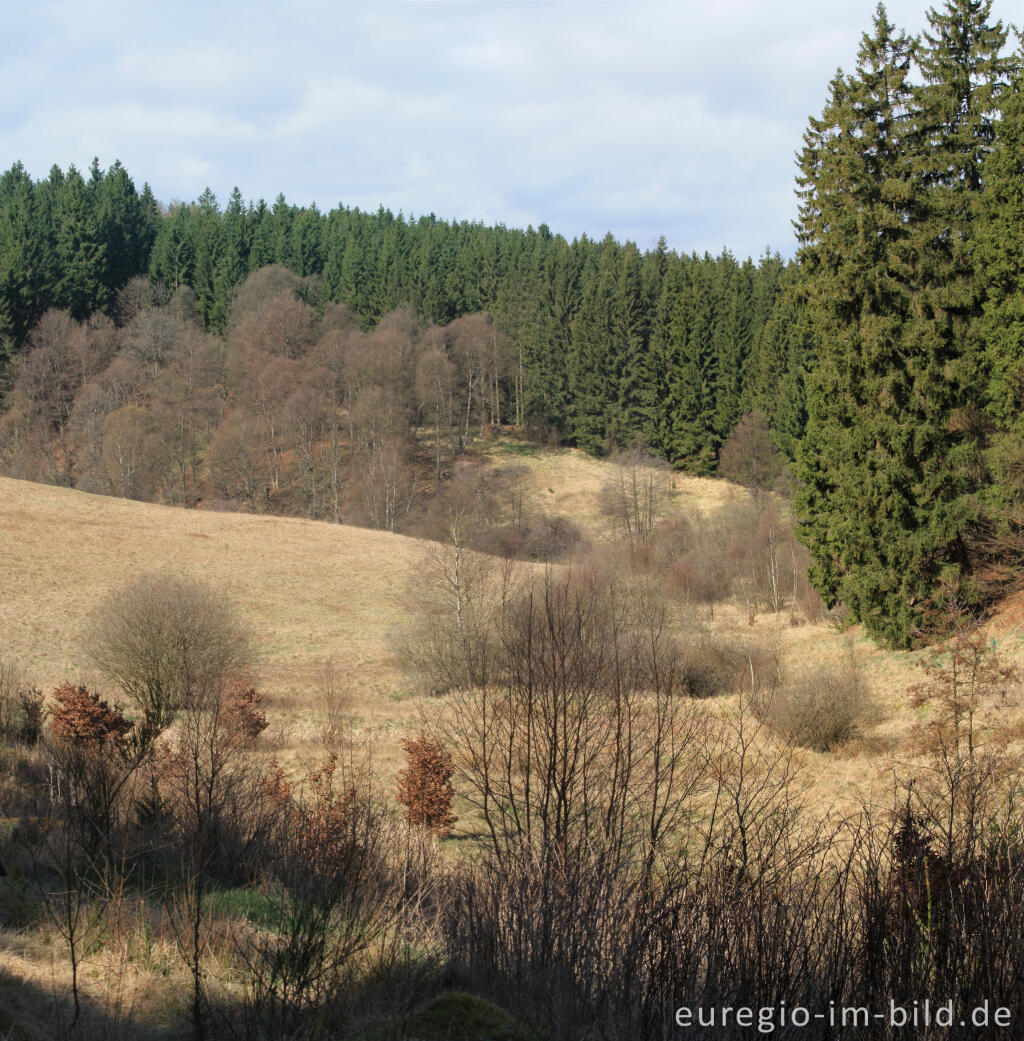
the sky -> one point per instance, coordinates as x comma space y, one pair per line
656, 117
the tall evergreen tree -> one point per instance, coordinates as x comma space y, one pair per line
80, 249
591, 372
999, 259
24, 261
872, 438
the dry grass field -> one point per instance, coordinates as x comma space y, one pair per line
568, 483
312, 593
315, 592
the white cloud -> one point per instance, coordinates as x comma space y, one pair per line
644, 118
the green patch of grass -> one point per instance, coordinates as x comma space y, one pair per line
248, 902
516, 448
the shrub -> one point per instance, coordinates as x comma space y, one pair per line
820, 708
243, 719
167, 641
97, 762
424, 786
83, 718
21, 707
336, 899
713, 665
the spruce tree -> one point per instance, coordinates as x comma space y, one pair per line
80, 247
999, 258
591, 373
24, 256
891, 185
865, 453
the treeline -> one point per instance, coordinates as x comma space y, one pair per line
912, 254
291, 411
610, 344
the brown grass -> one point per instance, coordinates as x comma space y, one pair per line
569, 483
313, 592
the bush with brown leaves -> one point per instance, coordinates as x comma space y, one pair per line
243, 718
84, 718
424, 786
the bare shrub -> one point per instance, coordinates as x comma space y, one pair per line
424, 786
715, 665
167, 641
691, 556
214, 798
334, 897
548, 539
751, 458
821, 708
968, 747
460, 592
22, 711
337, 704
634, 496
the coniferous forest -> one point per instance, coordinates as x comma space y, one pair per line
886, 357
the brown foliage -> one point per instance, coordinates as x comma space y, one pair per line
424, 786
243, 719
84, 718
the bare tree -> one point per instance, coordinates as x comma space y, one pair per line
188, 405
61, 356
634, 497
269, 317
380, 448
237, 464
751, 458
167, 641
131, 453
584, 741
436, 392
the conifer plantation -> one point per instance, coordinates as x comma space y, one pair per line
904, 460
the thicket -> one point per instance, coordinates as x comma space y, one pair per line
127, 826
633, 852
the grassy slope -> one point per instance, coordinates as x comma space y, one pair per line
315, 591
311, 592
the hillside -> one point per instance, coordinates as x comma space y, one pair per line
316, 592
313, 591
